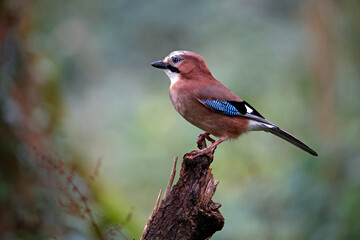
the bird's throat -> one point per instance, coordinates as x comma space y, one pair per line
174, 77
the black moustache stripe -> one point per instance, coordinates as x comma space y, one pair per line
173, 69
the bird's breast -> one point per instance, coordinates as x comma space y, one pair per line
187, 105
181, 100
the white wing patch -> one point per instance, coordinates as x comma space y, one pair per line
248, 109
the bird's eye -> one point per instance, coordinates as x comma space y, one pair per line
175, 59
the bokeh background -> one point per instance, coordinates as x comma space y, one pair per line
88, 132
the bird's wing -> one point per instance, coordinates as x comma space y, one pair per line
219, 98
234, 109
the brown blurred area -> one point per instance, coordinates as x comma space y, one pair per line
22, 100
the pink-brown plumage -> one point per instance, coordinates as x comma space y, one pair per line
185, 98
208, 104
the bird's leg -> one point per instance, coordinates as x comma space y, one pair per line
207, 150
200, 141
214, 144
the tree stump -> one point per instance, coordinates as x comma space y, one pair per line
187, 212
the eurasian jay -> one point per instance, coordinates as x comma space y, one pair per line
208, 104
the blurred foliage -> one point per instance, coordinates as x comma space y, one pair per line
76, 84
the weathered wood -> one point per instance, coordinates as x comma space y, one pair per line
188, 211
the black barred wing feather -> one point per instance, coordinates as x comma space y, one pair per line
223, 107
233, 108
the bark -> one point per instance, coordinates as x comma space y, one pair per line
188, 212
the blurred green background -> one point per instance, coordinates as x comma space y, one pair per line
77, 86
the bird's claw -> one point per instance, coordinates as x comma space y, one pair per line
201, 140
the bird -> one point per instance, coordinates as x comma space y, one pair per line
209, 105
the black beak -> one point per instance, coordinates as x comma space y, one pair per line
160, 64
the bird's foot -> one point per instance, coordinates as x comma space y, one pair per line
201, 140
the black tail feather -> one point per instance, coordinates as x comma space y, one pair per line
291, 139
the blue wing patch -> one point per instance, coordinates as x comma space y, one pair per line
222, 106
231, 108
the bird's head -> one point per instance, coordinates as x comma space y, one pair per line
182, 63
